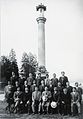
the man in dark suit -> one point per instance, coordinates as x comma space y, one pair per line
75, 101
56, 98
9, 96
13, 79
79, 90
30, 79
42, 86
69, 88
63, 79
38, 80
27, 100
32, 88
66, 102
54, 80
18, 99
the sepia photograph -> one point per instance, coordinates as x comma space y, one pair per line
41, 59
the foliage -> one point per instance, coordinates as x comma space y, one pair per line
29, 64
9, 65
12, 58
5, 67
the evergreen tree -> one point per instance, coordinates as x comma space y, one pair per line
29, 64
13, 60
5, 68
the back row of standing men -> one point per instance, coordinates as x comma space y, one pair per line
43, 95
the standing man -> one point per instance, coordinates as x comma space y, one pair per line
32, 89
13, 79
38, 80
30, 79
47, 80
63, 79
42, 86
54, 80
69, 88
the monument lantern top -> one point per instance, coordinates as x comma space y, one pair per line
41, 7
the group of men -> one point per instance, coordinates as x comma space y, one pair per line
37, 95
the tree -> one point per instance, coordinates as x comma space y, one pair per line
29, 64
5, 69
13, 60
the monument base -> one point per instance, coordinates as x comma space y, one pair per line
42, 70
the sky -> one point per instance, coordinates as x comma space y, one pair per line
63, 33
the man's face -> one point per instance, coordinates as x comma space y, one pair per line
30, 75
34, 82
36, 89
55, 89
74, 90
67, 84
13, 74
25, 83
62, 73
42, 82
26, 90
54, 75
65, 91
18, 89
39, 75
16, 83
46, 89
59, 84
9, 83
76, 84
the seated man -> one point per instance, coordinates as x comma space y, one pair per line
66, 102
9, 96
25, 86
27, 100
75, 101
79, 90
18, 99
56, 99
16, 85
36, 101
46, 97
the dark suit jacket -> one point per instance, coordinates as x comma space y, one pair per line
63, 80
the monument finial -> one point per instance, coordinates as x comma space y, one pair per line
41, 6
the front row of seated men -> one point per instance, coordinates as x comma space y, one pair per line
59, 100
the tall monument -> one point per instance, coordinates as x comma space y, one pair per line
41, 34
41, 38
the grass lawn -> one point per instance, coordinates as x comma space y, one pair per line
4, 115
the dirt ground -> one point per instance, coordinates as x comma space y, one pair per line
4, 115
